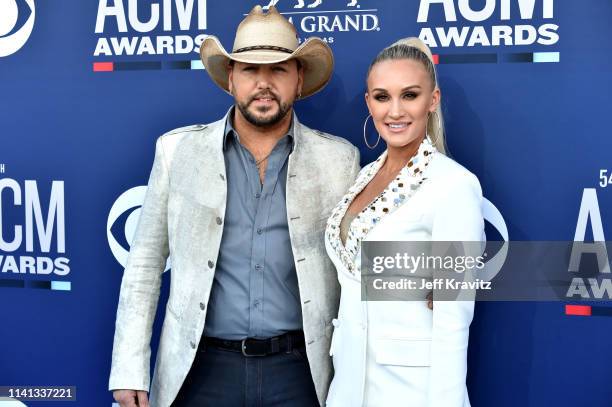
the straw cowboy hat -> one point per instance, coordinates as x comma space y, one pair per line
266, 38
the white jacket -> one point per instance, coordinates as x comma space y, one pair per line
401, 353
182, 217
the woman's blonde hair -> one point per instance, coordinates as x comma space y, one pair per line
414, 49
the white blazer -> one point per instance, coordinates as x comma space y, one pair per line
401, 353
182, 217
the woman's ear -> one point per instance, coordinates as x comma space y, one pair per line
435, 99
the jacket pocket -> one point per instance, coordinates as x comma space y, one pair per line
403, 351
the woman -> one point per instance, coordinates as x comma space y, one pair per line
402, 353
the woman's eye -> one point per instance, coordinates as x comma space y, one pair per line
381, 98
410, 95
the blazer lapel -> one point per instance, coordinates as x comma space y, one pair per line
303, 185
395, 195
207, 177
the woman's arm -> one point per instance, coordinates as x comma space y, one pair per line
458, 217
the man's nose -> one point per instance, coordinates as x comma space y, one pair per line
263, 79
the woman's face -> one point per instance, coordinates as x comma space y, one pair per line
400, 96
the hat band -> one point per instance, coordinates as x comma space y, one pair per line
264, 47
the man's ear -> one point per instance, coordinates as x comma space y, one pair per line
230, 76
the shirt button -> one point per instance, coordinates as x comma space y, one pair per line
192, 343
222, 177
202, 306
258, 195
259, 231
258, 267
211, 264
219, 220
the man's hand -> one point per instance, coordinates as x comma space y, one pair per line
131, 398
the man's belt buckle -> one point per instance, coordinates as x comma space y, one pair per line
243, 347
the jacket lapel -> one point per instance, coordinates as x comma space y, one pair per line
204, 156
303, 184
396, 194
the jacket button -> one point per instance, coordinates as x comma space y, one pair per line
192, 344
211, 264
202, 306
219, 221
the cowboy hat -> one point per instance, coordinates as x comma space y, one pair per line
267, 38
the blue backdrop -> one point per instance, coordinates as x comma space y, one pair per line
87, 86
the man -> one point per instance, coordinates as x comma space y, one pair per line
240, 206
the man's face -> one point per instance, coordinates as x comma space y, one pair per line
264, 94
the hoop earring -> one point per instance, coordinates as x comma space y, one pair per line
365, 138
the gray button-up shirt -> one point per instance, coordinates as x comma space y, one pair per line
255, 291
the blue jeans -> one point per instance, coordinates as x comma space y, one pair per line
224, 378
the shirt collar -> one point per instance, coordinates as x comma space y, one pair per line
230, 132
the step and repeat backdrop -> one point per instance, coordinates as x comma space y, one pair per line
86, 87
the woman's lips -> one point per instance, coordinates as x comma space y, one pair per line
397, 127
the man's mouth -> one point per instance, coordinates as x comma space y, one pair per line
264, 98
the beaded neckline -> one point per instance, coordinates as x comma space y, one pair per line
407, 182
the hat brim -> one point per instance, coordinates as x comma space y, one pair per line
314, 54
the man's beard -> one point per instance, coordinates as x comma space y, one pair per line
283, 109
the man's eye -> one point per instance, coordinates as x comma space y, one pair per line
249, 68
279, 69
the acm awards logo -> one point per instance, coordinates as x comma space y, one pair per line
32, 241
598, 286
467, 25
326, 18
16, 24
145, 27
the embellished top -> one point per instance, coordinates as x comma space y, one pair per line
407, 182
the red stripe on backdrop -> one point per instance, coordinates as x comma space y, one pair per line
436, 59
583, 310
103, 67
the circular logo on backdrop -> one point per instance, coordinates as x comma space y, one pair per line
128, 204
14, 32
492, 215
